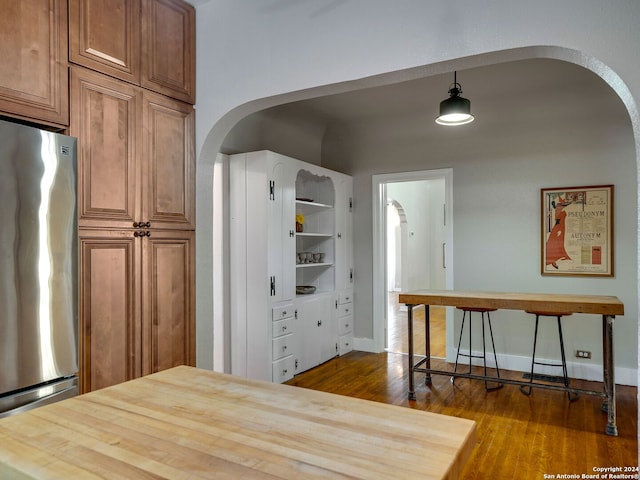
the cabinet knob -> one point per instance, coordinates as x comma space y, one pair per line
284, 328
319, 322
284, 348
284, 372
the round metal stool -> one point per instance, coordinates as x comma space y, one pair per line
482, 311
565, 377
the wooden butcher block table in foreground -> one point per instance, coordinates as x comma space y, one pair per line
187, 423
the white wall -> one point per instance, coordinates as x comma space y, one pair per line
496, 205
254, 54
423, 203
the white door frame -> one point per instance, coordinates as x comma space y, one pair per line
379, 203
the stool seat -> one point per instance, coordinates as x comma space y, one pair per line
476, 309
548, 314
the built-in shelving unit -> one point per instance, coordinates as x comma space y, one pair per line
291, 292
315, 196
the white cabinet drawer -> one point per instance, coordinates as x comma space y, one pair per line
282, 311
345, 309
345, 325
282, 327
282, 370
282, 346
345, 297
345, 344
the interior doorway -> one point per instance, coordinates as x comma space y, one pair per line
412, 235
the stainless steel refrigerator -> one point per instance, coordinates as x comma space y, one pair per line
38, 268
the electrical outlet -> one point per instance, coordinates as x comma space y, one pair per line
583, 354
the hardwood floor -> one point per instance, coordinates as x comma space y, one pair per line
518, 436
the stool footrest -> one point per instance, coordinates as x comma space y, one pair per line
470, 355
559, 365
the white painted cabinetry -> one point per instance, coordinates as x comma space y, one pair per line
288, 281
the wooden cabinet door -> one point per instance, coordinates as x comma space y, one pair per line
34, 78
104, 118
104, 35
110, 330
168, 152
168, 320
168, 48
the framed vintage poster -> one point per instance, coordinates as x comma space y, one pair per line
577, 231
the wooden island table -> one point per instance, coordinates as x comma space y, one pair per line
607, 306
187, 423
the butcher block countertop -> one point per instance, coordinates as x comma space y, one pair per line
186, 423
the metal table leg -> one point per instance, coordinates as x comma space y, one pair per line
412, 392
427, 338
609, 374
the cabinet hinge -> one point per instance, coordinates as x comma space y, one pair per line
273, 285
272, 187
350, 204
336, 348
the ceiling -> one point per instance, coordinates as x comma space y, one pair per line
524, 92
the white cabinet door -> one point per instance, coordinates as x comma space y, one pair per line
315, 315
344, 233
281, 230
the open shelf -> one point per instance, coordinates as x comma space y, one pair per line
309, 265
308, 208
310, 234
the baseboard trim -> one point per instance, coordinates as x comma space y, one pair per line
579, 370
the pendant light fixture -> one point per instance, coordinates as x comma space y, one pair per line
455, 110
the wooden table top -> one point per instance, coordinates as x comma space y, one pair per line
542, 302
187, 423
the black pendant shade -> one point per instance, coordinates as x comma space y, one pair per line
455, 110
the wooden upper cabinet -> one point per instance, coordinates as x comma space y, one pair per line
105, 119
136, 155
168, 48
34, 77
168, 166
104, 35
150, 43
